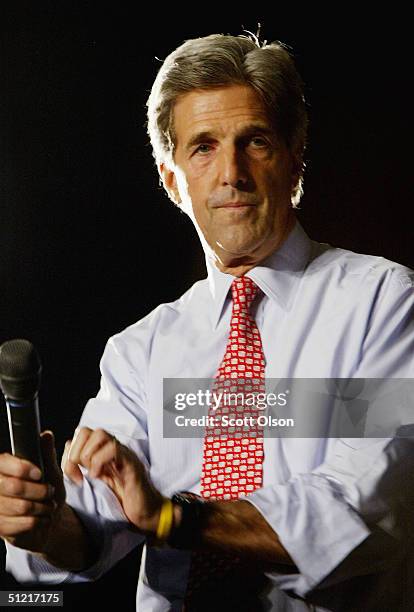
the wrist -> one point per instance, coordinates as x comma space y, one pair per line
57, 520
162, 523
177, 515
146, 518
187, 529
67, 528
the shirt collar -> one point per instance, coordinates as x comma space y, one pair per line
277, 276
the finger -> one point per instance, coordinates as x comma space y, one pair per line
117, 454
20, 524
24, 489
47, 442
108, 454
84, 450
80, 438
20, 468
71, 469
65, 455
53, 473
24, 507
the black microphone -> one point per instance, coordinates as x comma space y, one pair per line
20, 371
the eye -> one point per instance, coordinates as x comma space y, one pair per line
203, 148
258, 142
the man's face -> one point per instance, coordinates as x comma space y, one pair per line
231, 174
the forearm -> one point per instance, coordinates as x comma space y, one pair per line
237, 527
69, 546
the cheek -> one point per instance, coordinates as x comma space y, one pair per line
199, 192
277, 186
200, 170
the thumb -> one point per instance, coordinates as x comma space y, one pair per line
53, 473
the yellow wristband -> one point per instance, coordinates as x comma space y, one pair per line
165, 521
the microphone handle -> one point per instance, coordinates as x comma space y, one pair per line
24, 428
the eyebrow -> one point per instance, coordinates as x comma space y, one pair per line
249, 130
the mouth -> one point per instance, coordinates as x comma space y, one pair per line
236, 205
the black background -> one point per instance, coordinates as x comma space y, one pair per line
89, 242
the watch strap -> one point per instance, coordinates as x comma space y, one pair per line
187, 534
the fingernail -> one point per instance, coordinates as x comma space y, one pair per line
35, 474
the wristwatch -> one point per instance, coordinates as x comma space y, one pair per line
187, 534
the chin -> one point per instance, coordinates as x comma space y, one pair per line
240, 245
238, 249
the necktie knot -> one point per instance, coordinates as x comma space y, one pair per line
243, 290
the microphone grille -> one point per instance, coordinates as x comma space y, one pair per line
20, 369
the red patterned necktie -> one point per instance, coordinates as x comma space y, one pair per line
233, 455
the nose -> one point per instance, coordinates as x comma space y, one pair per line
233, 167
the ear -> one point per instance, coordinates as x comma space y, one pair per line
170, 183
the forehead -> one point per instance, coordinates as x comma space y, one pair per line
200, 110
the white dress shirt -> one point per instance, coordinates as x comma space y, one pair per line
325, 313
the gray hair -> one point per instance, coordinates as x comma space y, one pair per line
220, 60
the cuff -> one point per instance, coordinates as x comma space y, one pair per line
315, 525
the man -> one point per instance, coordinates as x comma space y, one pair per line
289, 523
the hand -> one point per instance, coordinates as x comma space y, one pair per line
29, 509
115, 464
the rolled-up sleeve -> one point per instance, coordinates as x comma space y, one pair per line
314, 525
364, 490
357, 505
